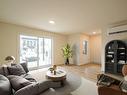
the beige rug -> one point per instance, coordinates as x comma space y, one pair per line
86, 88
75, 85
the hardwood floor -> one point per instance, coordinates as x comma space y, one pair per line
88, 71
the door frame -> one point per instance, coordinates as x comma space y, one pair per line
38, 67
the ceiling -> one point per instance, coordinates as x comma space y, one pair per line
70, 16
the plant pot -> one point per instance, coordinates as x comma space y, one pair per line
67, 61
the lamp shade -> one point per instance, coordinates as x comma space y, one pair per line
10, 58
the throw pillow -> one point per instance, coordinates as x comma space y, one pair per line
16, 70
24, 65
18, 82
1, 70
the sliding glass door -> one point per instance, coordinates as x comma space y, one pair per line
45, 53
36, 51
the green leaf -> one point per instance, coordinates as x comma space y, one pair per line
67, 52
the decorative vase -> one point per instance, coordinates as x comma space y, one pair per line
54, 67
51, 71
54, 72
124, 70
67, 61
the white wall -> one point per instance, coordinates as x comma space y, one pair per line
84, 58
9, 44
106, 38
0, 49
76, 42
95, 48
9, 41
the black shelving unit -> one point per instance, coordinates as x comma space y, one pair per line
115, 56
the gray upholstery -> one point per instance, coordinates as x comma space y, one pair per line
37, 88
28, 77
18, 82
16, 70
32, 89
1, 71
28, 90
4, 71
53, 84
44, 85
24, 65
5, 87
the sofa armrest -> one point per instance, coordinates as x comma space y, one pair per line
44, 85
53, 84
31, 89
48, 84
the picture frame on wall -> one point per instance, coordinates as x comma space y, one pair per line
85, 47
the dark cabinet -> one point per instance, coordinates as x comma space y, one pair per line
115, 56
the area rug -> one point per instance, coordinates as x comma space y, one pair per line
74, 84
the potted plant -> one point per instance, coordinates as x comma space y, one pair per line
53, 69
67, 53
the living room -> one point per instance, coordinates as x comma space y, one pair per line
87, 26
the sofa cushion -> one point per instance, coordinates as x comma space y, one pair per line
6, 72
1, 70
18, 82
16, 70
24, 65
28, 77
32, 89
5, 87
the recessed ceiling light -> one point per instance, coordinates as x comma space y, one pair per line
94, 32
52, 22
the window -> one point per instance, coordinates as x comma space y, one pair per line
85, 47
36, 51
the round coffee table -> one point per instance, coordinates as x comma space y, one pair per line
60, 76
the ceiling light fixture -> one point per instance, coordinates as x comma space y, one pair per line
94, 32
52, 22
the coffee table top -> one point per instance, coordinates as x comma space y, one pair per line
59, 73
